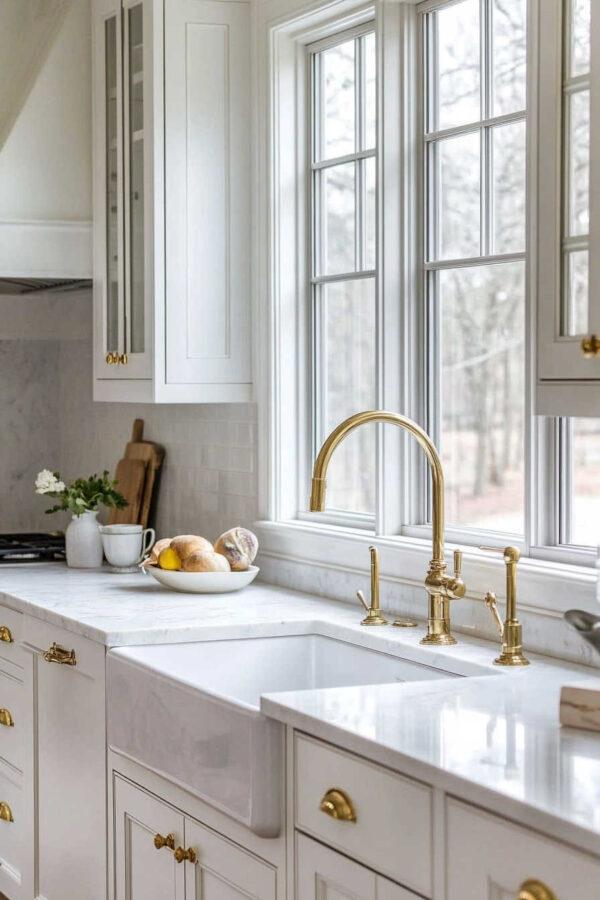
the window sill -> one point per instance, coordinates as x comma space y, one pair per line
545, 587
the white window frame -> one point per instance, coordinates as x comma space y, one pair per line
549, 573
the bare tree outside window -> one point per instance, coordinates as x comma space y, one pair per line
475, 252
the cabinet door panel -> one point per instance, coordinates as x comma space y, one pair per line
224, 871
323, 874
489, 859
141, 871
208, 174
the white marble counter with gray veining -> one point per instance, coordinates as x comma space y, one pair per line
493, 738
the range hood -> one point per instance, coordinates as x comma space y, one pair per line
15, 286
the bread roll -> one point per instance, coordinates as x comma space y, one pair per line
200, 561
239, 546
185, 544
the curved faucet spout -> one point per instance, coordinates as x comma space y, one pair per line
440, 587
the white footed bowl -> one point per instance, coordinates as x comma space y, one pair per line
203, 582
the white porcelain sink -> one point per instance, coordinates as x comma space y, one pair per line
192, 711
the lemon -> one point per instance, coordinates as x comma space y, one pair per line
169, 559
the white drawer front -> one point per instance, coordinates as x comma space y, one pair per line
12, 834
393, 828
11, 631
491, 859
11, 711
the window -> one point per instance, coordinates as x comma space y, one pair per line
343, 256
474, 256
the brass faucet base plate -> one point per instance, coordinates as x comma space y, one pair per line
404, 623
511, 659
374, 620
443, 639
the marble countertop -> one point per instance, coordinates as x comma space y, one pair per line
492, 739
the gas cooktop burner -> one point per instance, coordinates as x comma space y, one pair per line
32, 547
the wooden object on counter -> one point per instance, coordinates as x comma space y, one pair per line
580, 707
152, 456
131, 479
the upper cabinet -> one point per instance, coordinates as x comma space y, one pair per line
172, 296
568, 208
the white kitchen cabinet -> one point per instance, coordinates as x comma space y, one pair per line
323, 874
191, 861
489, 858
172, 201
567, 197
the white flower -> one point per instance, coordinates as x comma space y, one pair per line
48, 483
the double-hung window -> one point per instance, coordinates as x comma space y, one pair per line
343, 267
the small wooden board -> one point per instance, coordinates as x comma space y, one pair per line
152, 455
131, 479
580, 707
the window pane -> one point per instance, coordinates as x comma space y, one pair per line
481, 435
579, 163
370, 213
338, 211
577, 293
455, 34
509, 187
580, 37
585, 480
459, 195
509, 56
347, 376
369, 50
338, 127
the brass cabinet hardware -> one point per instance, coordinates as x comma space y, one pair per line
535, 890
590, 346
374, 615
6, 813
441, 587
60, 655
123, 359
181, 855
5, 634
160, 841
337, 804
511, 630
6, 718
112, 359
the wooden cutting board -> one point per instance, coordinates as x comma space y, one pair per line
152, 455
131, 480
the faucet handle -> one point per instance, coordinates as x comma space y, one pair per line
458, 558
361, 597
490, 602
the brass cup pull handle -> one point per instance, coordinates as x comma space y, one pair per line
6, 813
60, 655
189, 855
337, 804
535, 890
6, 718
590, 346
160, 841
5, 634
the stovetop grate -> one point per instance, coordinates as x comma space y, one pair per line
32, 547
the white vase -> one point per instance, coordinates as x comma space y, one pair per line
83, 541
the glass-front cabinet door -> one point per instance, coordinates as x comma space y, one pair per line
123, 317
568, 208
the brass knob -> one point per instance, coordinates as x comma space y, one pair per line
5, 634
337, 804
6, 718
61, 656
535, 890
590, 346
182, 855
123, 359
112, 359
168, 841
6, 813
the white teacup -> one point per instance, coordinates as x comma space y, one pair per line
125, 546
